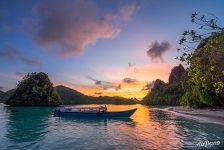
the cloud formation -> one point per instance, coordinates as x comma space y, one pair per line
11, 52
156, 50
69, 26
129, 80
103, 84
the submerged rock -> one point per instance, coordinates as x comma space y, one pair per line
35, 89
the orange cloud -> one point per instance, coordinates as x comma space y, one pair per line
135, 79
127, 90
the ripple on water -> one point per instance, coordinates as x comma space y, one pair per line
37, 128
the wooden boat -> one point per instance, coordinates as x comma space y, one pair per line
92, 112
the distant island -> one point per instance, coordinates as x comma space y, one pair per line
35, 89
72, 97
167, 93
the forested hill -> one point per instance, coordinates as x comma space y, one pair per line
5, 95
72, 97
167, 93
202, 84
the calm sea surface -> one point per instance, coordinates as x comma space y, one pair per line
37, 128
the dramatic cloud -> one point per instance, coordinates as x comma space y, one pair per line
129, 80
156, 50
69, 26
11, 52
103, 84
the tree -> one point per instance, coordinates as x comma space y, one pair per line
205, 86
35, 89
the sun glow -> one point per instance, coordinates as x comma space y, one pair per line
136, 78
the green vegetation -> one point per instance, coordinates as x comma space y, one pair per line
4, 96
70, 96
205, 85
202, 84
114, 100
73, 97
167, 93
35, 89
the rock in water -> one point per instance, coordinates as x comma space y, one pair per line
35, 89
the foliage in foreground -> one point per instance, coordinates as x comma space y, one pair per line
205, 85
202, 84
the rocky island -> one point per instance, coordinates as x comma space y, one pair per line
35, 89
167, 93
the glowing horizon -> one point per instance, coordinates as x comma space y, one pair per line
99, 48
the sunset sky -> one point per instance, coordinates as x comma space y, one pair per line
98, 47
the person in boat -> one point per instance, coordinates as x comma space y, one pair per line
101, 109
105, 108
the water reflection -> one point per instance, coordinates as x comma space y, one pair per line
98, 120
26, 124
148, 128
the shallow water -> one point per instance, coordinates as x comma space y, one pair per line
37, 128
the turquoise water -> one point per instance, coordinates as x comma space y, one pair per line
36, 128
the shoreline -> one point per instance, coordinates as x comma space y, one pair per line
207, 115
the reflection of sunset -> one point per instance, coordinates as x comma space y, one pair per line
146, 121
162, 134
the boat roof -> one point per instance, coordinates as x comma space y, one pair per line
72, 107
